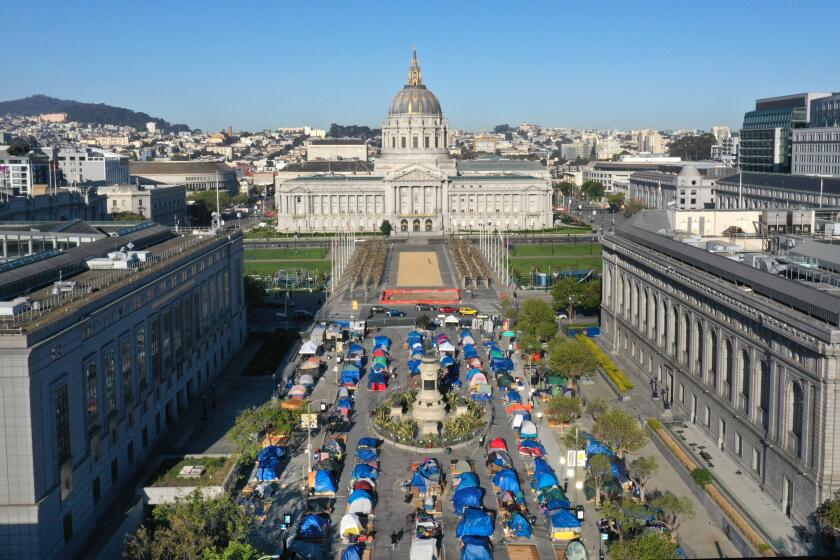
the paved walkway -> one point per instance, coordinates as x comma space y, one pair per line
742, 488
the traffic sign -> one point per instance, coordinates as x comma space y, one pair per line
571, 458
309, 421
581, 458
355, 305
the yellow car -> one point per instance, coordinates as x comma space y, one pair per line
468, 311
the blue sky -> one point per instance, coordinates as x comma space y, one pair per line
256, 65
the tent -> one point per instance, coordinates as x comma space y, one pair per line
475, 522
504, 381
352, 552
467, 480
514, 407
507, 481
546, 495
481, 397
513, 397
477, 379
519, 526
544, 480
484, 389
328, 464
345, 402
324, 482
413, 366
501, 364
306, 380
376, 381
594, 447
564, 524
576, 551
467, 497
474, 362
528, 430
382, 340
541, 466
555, 380
381, 360
476, 548
500, 459
451, 320
350, 525
472, 371
368, 442
365, 471
356, 349
343, 392
366, 454
308, 348
379, 352
362, 505
269, 463
297, 392
334, 447
498, 443
447, 361
313, 526
470, 352
423, 549
446, 347
364, 484
311, 363
531, 447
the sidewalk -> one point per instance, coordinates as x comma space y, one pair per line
744, 490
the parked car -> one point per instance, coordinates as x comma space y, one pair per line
447, 309
377, 309
395, 313
560, 316
423, 307
468, 311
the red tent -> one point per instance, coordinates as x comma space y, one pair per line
363, 485
378, 387
498, 443
379, 352
474, 362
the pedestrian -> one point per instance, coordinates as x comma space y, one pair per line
394, 540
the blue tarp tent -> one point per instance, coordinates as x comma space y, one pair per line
269, 463
358, 495
470, 352
501, 364
367, 454
356, 349
345, 402
563, 519
376, 377
312, 526
474, 522
324, 482
480, 397
352, 552
506, 481
619, 471
594, 447
382, 341
468, 480
349, 379
368, 442
467, 497
378, 368
532, 444
557, 504
513, 397
544, 480
447, 361
541, 466
472, 373
413, 366
520, 526
365, 471
476, 548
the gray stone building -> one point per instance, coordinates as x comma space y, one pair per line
94, 370
748, 356
61, 204
164, 204
775, 190
685, 189
196, 175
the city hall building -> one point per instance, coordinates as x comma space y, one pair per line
415, 184
744, 342
104, 344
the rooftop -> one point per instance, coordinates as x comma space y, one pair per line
319, 166
487, 165
177, 167
336, 142
803, 183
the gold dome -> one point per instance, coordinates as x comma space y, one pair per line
415, 98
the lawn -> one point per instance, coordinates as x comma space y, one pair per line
556, 249
555, 263
167, 473
286, 253
266, 360
269, 268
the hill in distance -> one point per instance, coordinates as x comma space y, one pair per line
93, 113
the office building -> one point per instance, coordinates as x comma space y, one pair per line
766, 132
101, 351
608, 172
19, 174
816, 149
685, 188
741, 341
336, 149
91, 166
773, 190
415, 185
649, 141
195, 175
163, 204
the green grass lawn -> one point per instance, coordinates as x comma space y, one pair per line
269, 268
545, 264
167, 473
286, 254
556, 249
266, 360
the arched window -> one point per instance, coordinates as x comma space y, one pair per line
745, 369
607, 280
728, 370
674, 332
699, 356
795, 418
712, 360
643, 312
655, 320
764, 394
626, 297
634, 305
685, 338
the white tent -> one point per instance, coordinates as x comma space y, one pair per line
451, 319
350, 525
308, 347
306, 380
343, 392
528, 429
423, 549
446, 347
361, 505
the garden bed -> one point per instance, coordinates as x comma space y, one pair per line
166, 475
620, 380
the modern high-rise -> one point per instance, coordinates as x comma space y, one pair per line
20, 173
91, 166
816, 149
101, 351
767, 131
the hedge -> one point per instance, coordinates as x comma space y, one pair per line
621, 382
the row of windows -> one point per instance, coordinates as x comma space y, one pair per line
415, 141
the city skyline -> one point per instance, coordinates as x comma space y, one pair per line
659, 66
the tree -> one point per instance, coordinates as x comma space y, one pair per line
693, 148
568, 292
593, 190
632, 206
616, 201
589, 297
600, 469
564, 409
254, 291
643, 469
508, 308
620, 431
673, 511
570, 357
533, 313
19, 148
208, 198
627, 516
128, 217
546, 330
565, 187
189, 528
253, 422
596, 407
502, 128
239, 199
234, 551
423, 321
828, 518
646, 546
573, 440
385, 228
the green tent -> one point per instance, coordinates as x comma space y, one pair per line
553, 493
496, 353
505, 381
558, 380
381, 360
